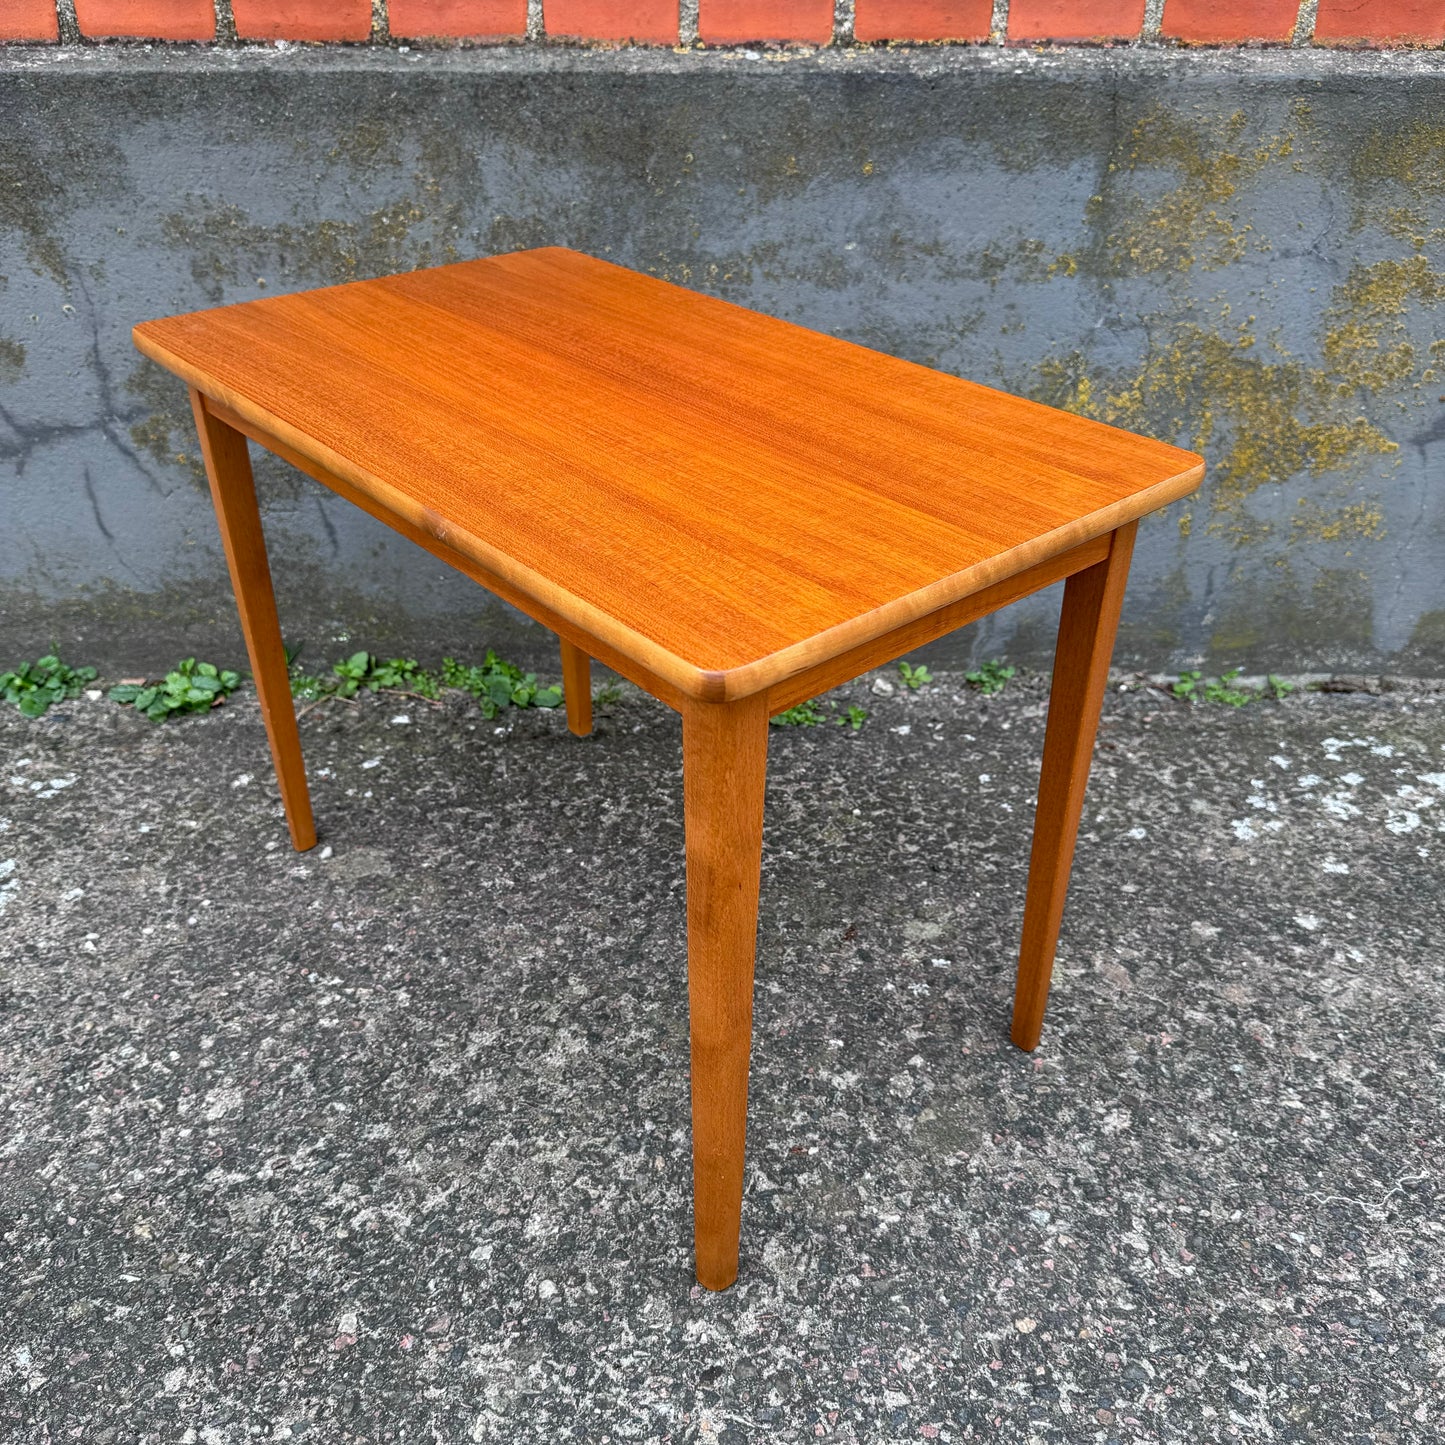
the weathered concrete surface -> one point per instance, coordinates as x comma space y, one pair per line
1241, 252
390, 1142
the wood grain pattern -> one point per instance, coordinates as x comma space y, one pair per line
629, 668
1090, 618
724, 766
720, 496
577, 688
233, 490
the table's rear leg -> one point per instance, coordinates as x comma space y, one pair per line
724, 766
577, 687
1092, 599
228, 466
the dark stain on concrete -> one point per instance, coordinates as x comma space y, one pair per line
1325, 620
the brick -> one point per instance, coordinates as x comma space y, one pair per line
28, 20
1075, 19
1228, 22
458, 19
146, 19
923, 19
302, 19
736, 22
644, 22
1380, 22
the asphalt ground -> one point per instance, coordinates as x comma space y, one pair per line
389, 1141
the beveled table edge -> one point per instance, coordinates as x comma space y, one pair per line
702, 684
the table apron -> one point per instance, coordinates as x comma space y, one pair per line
922, 630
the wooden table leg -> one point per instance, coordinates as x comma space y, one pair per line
577, 688
233, 489
1092, 599
724, 768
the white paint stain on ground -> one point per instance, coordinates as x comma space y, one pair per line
41, 788
1350, 797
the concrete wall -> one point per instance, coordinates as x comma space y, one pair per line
1241, 251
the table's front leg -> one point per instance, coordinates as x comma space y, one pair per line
228, 467
1092, 599
724, 768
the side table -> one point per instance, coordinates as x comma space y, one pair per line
731, 511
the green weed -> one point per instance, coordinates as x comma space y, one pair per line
190, 686
914, 677
1225, 692
990, 677
33, 686
375, 674
810, 714
495, 683
800, 715
1195, 687
498, 684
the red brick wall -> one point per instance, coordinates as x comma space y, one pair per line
1379, 23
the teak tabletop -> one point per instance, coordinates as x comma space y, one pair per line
732, 511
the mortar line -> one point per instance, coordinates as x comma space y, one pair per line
844, 14
380, 23
1153, 22
536, 23
1304, 26
225, 23
687, 23
998, 23
69, 25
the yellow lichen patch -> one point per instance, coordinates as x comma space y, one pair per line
1414, 161
367, 143
1357, 521
1271, 419
397, 237
1407, 223
1193, 222
1414, 158
1365, 343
